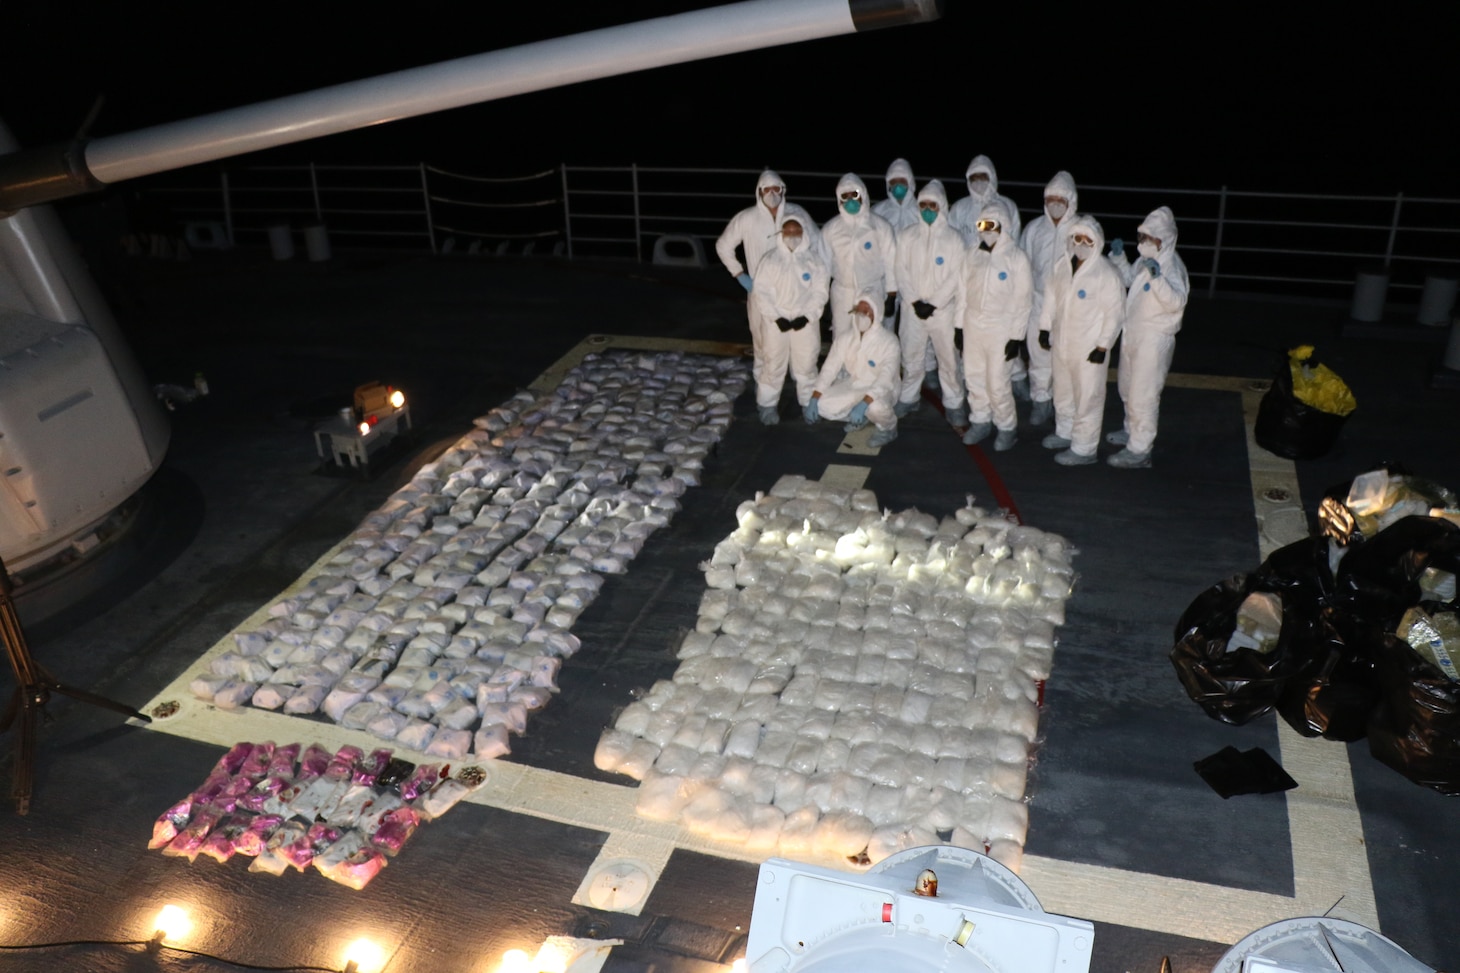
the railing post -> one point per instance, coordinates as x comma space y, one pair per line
1217, 244
1393, 229
567, 222
227, 206
426, 201
314, 187
638, 236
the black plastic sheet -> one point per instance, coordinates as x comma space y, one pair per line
1288, 427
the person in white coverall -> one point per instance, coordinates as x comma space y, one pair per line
1154, 304
863, 252
900, 208
858, 380
998, 287
789, 296
983, 188
1043, 241
929, 273
754, 230
1084, 303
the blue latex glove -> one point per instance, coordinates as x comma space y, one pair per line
812, 412
1117, 247
1151, 265
744, 281
858, 413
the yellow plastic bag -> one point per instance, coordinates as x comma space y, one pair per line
1318, 385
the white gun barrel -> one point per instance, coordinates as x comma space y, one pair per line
61, 171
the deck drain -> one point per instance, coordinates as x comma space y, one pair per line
1260, 385
1277, 494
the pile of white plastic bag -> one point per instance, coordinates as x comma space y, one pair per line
444, 618
858, 682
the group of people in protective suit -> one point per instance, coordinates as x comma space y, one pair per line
1040, 307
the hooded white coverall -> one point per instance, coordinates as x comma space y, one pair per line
788, 284
930, 269
863, 252
903, 213
965, 213
861, 365
754, 228
1043, 241
1082, 311
998, 288
1153, 309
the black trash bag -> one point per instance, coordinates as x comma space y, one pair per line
1290, 428
1416, 727
1339, 699
1239, 686
1378, 580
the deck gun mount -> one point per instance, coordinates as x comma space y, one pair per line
80, 430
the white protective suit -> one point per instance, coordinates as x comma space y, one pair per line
930, 269
998, 287
788, 284
964, 214
1082, 311
1043, 241
904, 213
1153, 309
862, 365
863, 251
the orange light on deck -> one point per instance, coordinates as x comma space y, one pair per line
171, 925
364, 956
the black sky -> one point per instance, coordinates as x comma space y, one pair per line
1150, 94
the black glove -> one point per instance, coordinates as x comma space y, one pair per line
797, 323
889, 306
1097, 357
1013, 349
923, 310
1044, 340
784, 324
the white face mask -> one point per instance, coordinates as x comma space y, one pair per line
863, 322
989, 237
1147, 249
792, 242
980, 188
1056, 210
772, 199
1083, 251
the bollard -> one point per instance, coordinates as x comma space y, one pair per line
281, 241
317, 242
1370, 289
1437, 300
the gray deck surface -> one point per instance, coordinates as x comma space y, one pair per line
240, 510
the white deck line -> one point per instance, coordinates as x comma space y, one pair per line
1328, 852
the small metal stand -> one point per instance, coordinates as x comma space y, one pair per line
33, 688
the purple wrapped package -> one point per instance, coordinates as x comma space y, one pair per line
423, 779
281, 764
257, 763
173, 820
395, 827
313, 763
368, 769
190, 839
233, 759
211, 787
342, 764
255, 837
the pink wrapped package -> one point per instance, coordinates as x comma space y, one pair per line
226, 800
301, 852
395, 827
255, 837
281, 764
229, 763
351, 861
190, 839
212, 785
369, 768
272, 860
173, 820
423, 779
342, 764
262, 793
257, 763
312, 763
219, 845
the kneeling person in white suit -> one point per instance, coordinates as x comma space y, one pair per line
859, 378
790, 293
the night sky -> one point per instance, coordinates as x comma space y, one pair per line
1144, 94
